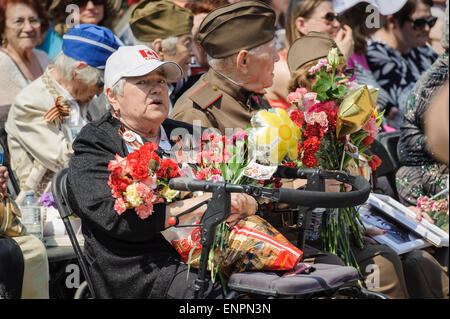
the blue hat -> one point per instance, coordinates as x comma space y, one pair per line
90, 43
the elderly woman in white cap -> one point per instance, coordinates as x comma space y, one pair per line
128, 256
47, 114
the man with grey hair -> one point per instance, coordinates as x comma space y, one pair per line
48, 113
166, 28
241, 66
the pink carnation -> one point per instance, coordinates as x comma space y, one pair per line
317, 117
424, 203
309, 99
371, 127
117, 162
144, 192
144, 210
296, 97
119, 205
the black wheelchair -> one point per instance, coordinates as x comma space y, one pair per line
326, 281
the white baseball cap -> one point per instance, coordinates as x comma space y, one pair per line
137, 60
385, 7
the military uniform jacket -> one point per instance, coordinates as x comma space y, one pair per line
217, 102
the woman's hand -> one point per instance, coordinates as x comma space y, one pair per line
334, 186
372, 231
242, 205
344, 40
420, 215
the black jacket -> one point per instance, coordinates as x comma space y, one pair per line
127, 256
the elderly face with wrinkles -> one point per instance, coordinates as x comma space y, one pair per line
144, 101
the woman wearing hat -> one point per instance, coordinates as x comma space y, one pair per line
304, 16
128, 256
398, 54
66, 13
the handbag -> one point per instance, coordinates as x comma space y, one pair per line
10, 225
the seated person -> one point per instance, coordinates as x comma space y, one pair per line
399, 276
47, 114
128, 257
398, 54
166, 28
24, 270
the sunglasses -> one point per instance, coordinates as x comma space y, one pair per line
83, 3
421, 22
330, 17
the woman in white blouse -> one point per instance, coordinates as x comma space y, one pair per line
22, 25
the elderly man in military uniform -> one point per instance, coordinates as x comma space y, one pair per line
239, 41
166, 28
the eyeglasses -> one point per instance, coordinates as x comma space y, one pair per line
421, 22
83, 3
18, 23
330, 17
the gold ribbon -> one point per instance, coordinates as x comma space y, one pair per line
59, 112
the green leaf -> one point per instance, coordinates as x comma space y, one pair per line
322, 86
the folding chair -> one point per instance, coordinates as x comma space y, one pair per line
325, 280
13, 184
385, 146
59, 190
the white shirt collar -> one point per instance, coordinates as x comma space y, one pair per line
164, 142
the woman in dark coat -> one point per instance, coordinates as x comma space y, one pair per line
127, 256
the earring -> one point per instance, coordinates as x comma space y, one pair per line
4, 43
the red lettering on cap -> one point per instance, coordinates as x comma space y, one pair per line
149, 54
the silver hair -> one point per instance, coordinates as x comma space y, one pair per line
117, 89
169, 45
226, 65
88, 75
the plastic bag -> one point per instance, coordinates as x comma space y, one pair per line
184, 239
252, 244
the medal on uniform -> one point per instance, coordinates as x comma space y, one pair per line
129, 136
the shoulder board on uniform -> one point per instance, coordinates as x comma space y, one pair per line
205, 95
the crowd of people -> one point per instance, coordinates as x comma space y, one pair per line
82, 81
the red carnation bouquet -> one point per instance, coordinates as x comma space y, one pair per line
338, 121
141, 180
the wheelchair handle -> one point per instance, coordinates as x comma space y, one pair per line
358, 196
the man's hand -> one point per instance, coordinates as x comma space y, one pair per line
242, 205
